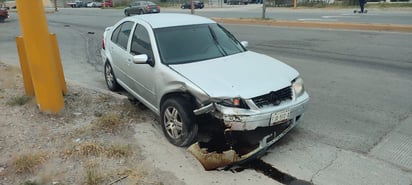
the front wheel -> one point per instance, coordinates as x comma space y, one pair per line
126, 13
178, 121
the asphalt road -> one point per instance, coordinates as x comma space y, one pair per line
358, 128
374, 16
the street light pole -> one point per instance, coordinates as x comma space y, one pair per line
55, 6
263, 9
192, 11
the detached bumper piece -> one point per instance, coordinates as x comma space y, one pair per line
236, 147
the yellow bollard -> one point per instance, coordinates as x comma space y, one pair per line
24, 65
38, 47
58, 63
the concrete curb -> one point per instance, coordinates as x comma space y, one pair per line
308, 24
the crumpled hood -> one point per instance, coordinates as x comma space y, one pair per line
245, 75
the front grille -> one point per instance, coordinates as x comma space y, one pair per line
274, 97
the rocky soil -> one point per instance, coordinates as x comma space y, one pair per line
91, 141
98, 138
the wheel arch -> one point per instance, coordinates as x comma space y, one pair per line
185, 95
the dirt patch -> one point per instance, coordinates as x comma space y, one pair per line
91, 141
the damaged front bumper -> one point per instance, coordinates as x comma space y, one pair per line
242, 119
214, 160
245, 121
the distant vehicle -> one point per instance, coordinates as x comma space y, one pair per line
4, 14
196, 5
94, 5
107, 3
142, 7
9, 5
77, 4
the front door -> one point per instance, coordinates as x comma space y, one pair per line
143, 74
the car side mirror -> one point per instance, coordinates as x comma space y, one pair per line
140, 59
245, 44
143, 59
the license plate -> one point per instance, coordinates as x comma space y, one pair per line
280, 116
154, 10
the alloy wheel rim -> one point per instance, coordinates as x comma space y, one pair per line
109, 76
173, 123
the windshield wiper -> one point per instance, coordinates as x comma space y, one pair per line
221, 50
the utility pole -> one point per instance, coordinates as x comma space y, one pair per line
192, 11
263, 9
55, 6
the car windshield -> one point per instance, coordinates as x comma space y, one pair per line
185, 44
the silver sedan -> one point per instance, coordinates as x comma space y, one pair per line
184, 66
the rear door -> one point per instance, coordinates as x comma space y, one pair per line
119, 50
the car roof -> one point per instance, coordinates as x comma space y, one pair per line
161, 20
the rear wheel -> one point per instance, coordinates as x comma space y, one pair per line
110, 78
141, 12
178, 121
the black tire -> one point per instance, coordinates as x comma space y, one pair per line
110, 78
178, 121
141, 12
126, 13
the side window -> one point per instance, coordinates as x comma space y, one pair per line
141, 42
121, 34
115, 34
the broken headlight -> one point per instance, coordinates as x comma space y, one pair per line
234, 102
298, 87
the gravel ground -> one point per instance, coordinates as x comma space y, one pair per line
91, 141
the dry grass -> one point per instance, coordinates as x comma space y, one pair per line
90, 149
119, 151
19, 100
98, 150
93, 177
25, 163
110, 122
33, 183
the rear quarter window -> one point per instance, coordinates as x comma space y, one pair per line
121, 34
